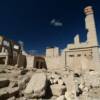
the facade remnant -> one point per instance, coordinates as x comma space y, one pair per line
79, 55
10, 52
36, 62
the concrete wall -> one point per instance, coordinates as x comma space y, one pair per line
52, 52
30, 61
35, 62
54, 62
79, 59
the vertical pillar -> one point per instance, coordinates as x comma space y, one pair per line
90, 26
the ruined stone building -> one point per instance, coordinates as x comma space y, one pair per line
78, 55
10, 52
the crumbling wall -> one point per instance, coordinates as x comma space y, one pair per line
54, 62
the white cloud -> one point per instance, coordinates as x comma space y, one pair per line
21, 44
56, 23
33, 52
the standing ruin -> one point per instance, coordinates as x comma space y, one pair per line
78, 55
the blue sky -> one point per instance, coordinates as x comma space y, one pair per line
30, 21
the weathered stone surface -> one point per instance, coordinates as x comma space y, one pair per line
2, 71
94, 93
36, 86
57, 90
92, 79
24, 71
12, 98
4, 82
60, 82
13, 84
69, 96
62, 97
23, 82
3, 95
13, 92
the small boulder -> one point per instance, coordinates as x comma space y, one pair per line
22, 82
62, 97
13, 84
61, 82
13, 92
70, 96
36, 86
3, 94
24, 71
12, 98
57, 90
4, 82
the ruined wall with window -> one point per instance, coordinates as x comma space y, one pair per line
37, 62
10, 53
54, 59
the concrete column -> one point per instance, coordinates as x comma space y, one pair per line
2, 49
90, 26
6, 58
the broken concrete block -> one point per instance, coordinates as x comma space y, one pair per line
13, 92
23, 82
60, 82
13, 84
3, 95
12, 98
62, 97
24, 71
36, 86
67, 96
4, 82
57, 90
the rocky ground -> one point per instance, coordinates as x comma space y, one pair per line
41, 84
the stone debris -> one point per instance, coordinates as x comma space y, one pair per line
22, 82
13, 91
3, 94
12, 98
59, 85
62, 97
73, 74
57, 89
53, 85
36, 86
4, 82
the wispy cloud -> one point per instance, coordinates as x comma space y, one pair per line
33, 52
22, 44
56, 23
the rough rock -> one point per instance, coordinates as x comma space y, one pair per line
57, 90
69, 96
60, 82
3, 95
36, 86
62, 97
12, 98
13, 84
4, 82
23, 82
92, 79
23, 72
13, 92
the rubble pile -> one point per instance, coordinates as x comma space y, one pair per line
40, 84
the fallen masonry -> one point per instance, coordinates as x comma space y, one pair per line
73, 75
